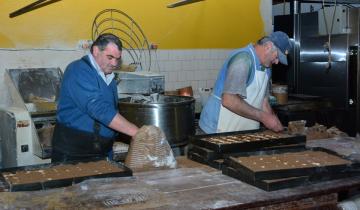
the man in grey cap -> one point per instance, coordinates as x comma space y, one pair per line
239, 100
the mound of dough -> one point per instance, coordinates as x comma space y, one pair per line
150, 150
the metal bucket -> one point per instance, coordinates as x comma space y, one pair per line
173, 114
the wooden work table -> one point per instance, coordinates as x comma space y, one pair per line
190, 186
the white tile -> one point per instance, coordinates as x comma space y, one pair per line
197, 75
178, 85
163, 55
177, 65
186, 83
216, 64
186, 65
210, 83
182, 54
214, 74
213, 54
170, 55
205, 75
162, 66
195, 84
173, 55
166, 76
191, 54
207, 64
193, 65
198, 54
202, 83
190, 75
188, 54
169, 86
199, 65
170, 66
154, 68
178, 55
155, 65
206, 54
182, 76
173, 76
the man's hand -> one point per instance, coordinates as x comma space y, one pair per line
271, 121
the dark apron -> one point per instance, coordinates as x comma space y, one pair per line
69, 144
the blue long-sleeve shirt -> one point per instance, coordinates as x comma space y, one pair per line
85, 97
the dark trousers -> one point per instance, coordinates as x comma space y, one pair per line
69, 144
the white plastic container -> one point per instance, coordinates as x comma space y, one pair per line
204, 95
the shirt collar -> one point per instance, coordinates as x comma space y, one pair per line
107, 78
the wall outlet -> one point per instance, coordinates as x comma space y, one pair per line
154, 46
84, 44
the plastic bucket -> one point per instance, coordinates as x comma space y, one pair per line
281, 93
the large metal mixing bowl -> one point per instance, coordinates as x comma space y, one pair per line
173, 114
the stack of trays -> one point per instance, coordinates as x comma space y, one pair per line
45, 176
278, 169
212, 149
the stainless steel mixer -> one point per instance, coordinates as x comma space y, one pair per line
173, 114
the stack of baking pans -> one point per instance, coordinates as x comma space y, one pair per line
212, 149
283, 168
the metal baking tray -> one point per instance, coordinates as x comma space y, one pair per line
214, 163
277, 173
212, 158
209, 154
253, 145
267, 185
289, 182
61, 182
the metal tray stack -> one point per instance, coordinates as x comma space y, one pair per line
46, 176
212, 149
277, 169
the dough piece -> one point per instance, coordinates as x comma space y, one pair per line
150, 150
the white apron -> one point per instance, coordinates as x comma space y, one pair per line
229, 121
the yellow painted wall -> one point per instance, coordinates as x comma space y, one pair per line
206, 24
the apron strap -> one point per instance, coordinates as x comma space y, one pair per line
215, 96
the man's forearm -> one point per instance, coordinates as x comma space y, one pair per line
120, 124
266, 106
239, 106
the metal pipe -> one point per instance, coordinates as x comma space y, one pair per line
296, 12
358, 77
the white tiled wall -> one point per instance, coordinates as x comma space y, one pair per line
197, 68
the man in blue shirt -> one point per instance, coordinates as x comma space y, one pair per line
87, 113
239, 100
